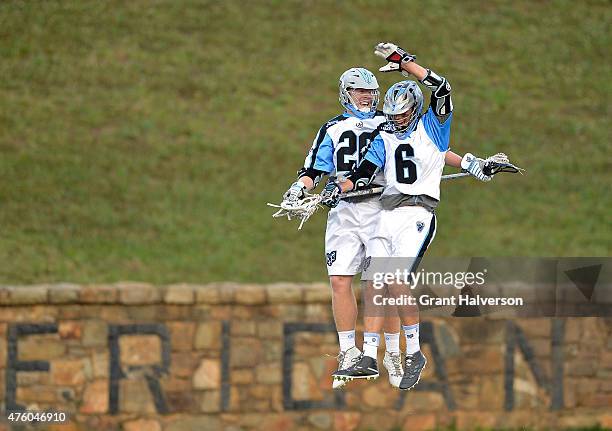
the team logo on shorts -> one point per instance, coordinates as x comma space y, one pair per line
366, 263
331, 257
420, 226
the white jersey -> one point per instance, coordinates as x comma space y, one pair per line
341, 144
413, 165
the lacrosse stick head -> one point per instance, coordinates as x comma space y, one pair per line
301, 209
500, 163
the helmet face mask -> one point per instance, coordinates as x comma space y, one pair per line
402, 107
358, 92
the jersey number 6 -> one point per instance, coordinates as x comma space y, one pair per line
405, 169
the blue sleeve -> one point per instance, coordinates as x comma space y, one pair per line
324, 160
438, 132
376, 153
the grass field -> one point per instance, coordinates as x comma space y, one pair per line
141, 140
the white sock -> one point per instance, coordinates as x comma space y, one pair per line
392, 342
346, 339
371, 340
412, 338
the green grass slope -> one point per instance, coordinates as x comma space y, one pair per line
141, 140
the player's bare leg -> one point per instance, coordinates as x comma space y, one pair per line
374, 318
344, 307
344, 304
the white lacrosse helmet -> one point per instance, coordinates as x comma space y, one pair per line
402, 97
358, 77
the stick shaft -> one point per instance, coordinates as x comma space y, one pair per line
379, 190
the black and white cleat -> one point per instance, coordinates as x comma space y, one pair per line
365, 368
413, 367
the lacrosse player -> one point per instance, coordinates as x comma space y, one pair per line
411, 149
339, 145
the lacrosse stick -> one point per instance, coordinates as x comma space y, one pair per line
379, 190
306, 207
301, 209
500, 163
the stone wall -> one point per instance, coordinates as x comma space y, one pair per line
234, 357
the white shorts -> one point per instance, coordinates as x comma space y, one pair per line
349, 228
402, 232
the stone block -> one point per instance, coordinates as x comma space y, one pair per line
492, 392
95, 397
250, 294
98, 294
192, 423
317, 292
180, 294
245, 352
226, 292
208, 294
140, 349
243, 327
100, 363
183, 364
277, 422
131, 293
420, 422
577, 420
5, 295
269, 374
535, 328
210, 402
37, 394
472, 420
208, 375
141, 425
95, 333
208, 335
181, 335
181, 401
597, 401
346, 421
305, 385
285, 293
70, 372
270, 329
242, 377
40, 347
22, 295
64, 293
70, 330
320, 420
135, 397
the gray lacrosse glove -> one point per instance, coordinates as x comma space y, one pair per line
295, 192
394, 55
330, 195
473, 165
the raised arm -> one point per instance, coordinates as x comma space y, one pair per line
401, 61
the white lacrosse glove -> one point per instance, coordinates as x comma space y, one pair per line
296, 192
473, 165
330, 195
394, 55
